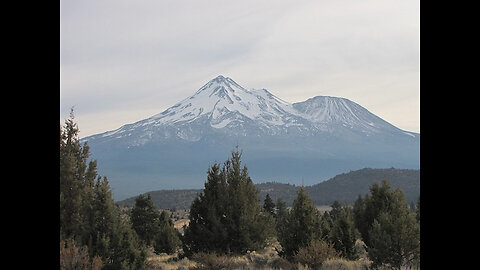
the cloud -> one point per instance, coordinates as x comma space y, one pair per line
147, 55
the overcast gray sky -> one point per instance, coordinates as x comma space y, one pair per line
123, 61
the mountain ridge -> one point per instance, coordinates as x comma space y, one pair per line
271, 111
344, 188
314, 139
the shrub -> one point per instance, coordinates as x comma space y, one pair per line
282, 263
315, 254
72, 257
212, 261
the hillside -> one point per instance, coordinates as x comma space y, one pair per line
344, 188
319, 137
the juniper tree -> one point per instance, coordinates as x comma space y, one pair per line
269, 205
88, 214
145, 219
390, 230
344, 234
281, 216
167, 239
301, 226
226, 217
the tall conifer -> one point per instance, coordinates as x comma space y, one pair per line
88, 214
302, 225
227, 216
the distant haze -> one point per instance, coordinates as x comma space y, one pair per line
123, 61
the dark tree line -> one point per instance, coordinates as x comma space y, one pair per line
91, 225
226, 218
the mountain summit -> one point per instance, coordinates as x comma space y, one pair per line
221, 100
314, 139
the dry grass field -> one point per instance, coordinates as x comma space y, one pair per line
266, 259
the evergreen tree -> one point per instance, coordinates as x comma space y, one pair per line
226, 217
72, 179
281, 209
336, 210
113, 238
381, 199
301, 227
88, 214
152, 227
344, 234
395, 239
125, 251
269, 205
359, 216
145, 219
417, 210
281, 216
392, 233
326, 225
207, 229
167, 240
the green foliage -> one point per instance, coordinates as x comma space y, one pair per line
227, 216
145, 219
417, 210
394, 240
88, 214
152, 227
281, 215
301, 226
167, 239
389, 229
343, 187
344, 234
269, 205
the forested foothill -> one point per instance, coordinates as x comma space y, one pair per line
230, 226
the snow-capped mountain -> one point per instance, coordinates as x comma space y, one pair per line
223, 104
322, 136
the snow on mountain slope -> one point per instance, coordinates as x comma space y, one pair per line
224, 105
326, 110
222, 96
320, 137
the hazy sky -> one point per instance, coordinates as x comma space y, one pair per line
123, 61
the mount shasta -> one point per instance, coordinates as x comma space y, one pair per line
285, 142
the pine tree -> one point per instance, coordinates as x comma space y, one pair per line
88, 215
381, 199
302, 225
281, 217
227, 216
268, 205
167, 239
344, 234
72, 179
145, 219
336, 210
326, 225
207, 229
394, 240
359, 216
417, 210
393, 233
